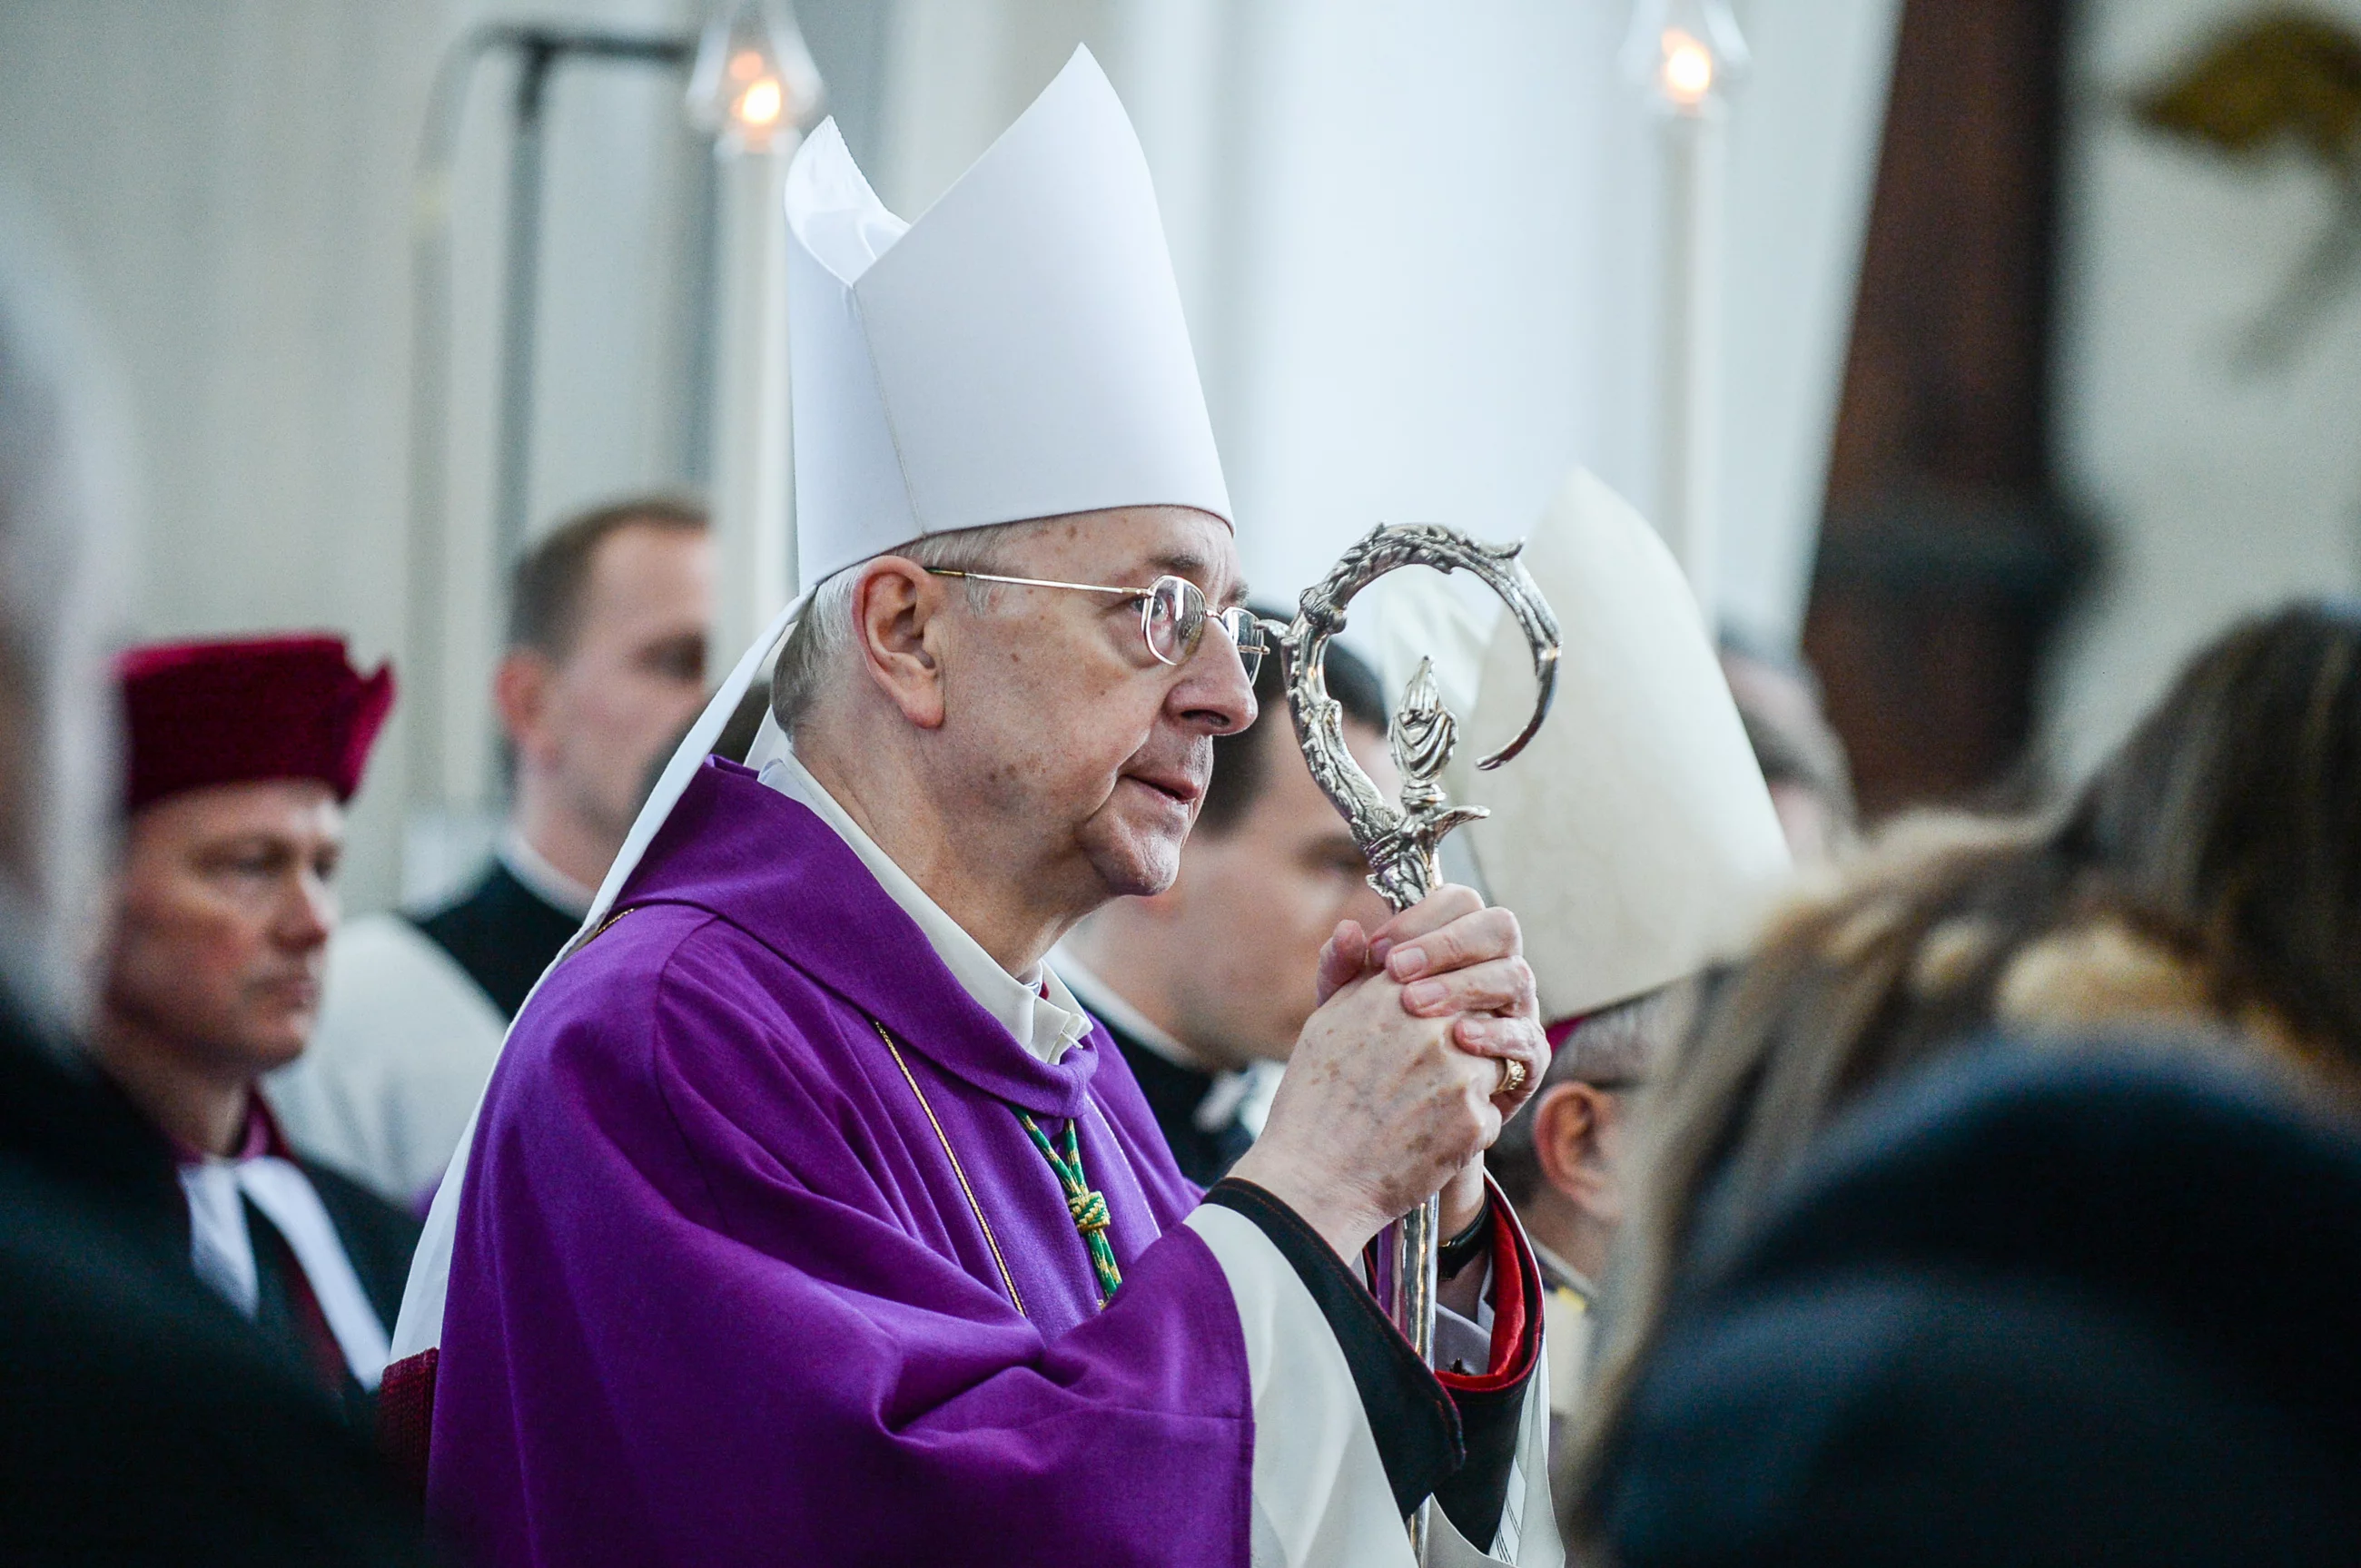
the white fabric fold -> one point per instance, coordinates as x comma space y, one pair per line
222, 1247
1314, 1456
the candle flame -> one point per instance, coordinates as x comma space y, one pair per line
1687, 71
759, 107
745, 65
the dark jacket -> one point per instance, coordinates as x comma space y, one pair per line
2034, 1308
502, 933
141, 1421
1174, 1092
378, 1239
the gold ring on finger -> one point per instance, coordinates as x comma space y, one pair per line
1513, 1076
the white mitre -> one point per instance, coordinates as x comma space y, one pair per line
1018, 352
1634, 838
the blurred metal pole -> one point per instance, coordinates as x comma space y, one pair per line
521, 303
429, 704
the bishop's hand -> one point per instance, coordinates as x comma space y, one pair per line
1397, 1083
1458, 959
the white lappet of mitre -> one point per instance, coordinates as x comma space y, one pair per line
1634, 838
1018, 352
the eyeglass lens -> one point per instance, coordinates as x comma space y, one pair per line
1174, 619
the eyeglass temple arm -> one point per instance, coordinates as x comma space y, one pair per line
1040, 582
1270, 628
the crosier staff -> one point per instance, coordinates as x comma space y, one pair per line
1401, 844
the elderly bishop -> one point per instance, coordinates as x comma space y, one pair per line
807, 1217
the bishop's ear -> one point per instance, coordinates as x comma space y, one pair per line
898, 609
1570, 1137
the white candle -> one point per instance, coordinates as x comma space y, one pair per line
754, 480
755, 87
1685, 55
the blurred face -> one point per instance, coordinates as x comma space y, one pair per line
223, 911
1805, 822
1255, 903
1089, 756
593, 724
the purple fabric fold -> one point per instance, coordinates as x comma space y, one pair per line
720, 1294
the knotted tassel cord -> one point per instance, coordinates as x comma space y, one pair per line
1089, 1208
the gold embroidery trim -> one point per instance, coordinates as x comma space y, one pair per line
957, 1170
604, 927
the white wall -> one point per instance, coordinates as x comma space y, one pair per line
620, 281
232, 182
1803, 161
1416, 241
2217, 491
227, 181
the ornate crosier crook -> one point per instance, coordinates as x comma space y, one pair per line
1401, 845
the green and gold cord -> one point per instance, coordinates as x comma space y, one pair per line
1089, 1208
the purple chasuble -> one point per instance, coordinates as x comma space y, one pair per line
721, 1293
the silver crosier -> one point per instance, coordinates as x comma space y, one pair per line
1401, 844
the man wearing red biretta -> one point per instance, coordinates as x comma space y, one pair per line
242, 755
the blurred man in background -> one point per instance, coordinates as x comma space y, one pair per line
1565, 1165
608, 618
242, 757
140, 1420
1202, 985
1803, 760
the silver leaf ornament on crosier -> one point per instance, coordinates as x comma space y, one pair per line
1401, 843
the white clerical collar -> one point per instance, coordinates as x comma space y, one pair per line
541, 879
263, 1172
1231, 1094
1047, 1025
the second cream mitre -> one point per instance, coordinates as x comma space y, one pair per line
1634, 838
1018, 352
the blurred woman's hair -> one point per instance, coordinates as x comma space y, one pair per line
2209, 874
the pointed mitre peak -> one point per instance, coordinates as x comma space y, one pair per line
1634, 838
1018, 352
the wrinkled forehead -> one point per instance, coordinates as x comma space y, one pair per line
1132, 546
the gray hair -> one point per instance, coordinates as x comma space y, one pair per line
822, 640
61, 512
1615, 1048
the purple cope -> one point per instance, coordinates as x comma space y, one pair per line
721, 1295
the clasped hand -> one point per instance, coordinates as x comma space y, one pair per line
1396, 1087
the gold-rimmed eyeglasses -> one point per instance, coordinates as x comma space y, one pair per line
1172, 615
